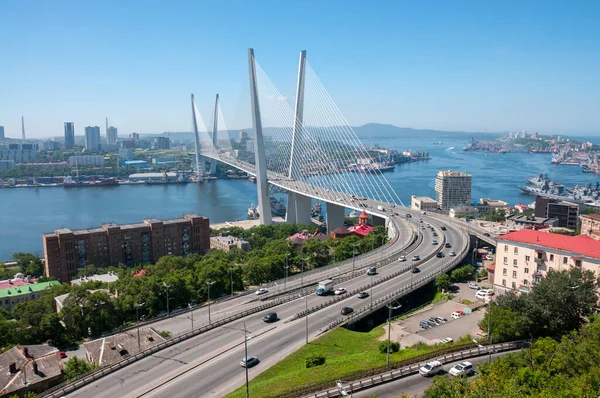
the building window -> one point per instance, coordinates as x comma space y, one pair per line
516, 250
514, 274
515, 262
527, 258
525, 282
503, 282
552, 257
565, 260
514, 285
578, 263
505, 248
526, 270
550, 269
505, 260
504, 272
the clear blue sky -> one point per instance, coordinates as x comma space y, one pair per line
452, 65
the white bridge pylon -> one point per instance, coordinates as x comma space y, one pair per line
311, 151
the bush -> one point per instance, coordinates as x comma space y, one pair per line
165, 334
463, 273
394, 346
315, 360
75, 367
442, 282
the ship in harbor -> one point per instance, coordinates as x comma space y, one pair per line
253, 212
539, 180
252, 179
277, 207
587, 194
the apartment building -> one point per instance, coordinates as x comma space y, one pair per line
65, 250
590, 225
566, 213
525, 256
452, 188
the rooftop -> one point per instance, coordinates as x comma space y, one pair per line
450, 173
49, 366
521, 218
592, 216
111, 349
16, 282
26, 289
108, 278
581, 244
424, 199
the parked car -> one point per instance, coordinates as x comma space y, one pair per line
462, 369
372, 271
339, 290
488, 257
270, 317
431, 368
424, 325
479, 264
423, 212
447, 340
262, 290
482, 294
457, 314
448, 245
473, 285
416, 257
433, 320
62, 354
408, 215
347, 310
440, 319
248, 362
435, 234
402, 258
452, 253
362, 295
439, 254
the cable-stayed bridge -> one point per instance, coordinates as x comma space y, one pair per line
309, 151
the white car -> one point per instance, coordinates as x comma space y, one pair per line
340, 290
447, 340
261, 291
482, 294
462, 369
416, 257
488, 257
431, 368
452, 253
473, 285
456, 315
402, 258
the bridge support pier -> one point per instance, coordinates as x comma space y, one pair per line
335, 217
303, 209
378, 221
290, 215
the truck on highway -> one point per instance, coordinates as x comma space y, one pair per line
380, 208
325, 287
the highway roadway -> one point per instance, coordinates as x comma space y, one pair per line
208, 364
415, 385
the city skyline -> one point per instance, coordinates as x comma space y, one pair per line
468, 66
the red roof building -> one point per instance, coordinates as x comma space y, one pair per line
525, 256
363, 228
300, 238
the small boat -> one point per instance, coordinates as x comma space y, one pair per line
252, 179
253, 212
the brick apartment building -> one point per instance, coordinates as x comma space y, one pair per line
65, 250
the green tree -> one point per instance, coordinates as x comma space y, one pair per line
316, 252
442, 282
29, 264
506, 325
463, 273
75, 367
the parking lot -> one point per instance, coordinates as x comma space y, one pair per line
409, 332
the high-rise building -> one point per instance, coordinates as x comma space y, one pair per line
1, 132
163, 143
69, 135
65, 251
19, 153
111, 135
243, 137
92, 138
452, 188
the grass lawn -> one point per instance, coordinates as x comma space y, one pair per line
345, 352
439, 296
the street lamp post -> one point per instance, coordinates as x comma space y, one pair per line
353, 257
306, 310
371, 294
302, 275
286, 267
209, 283
246, 358
191, 315
390, 308
231, 282
137, 320
167, 287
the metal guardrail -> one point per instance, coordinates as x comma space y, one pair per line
73, 384
389, 375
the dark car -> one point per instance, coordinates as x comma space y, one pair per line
486, 234
439, 254
347, 310
372, 271
414, 270
443, 228
248, 362
408, 215
448, 245
362, 295
270, 317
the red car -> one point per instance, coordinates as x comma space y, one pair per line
62, 354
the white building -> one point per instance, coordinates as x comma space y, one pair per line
452, 188
89, 160
423, 203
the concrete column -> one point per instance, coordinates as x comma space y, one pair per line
335, 217
298, 118
262, 184
303, 209
377, 221
290, 215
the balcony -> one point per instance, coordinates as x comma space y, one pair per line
540, 261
